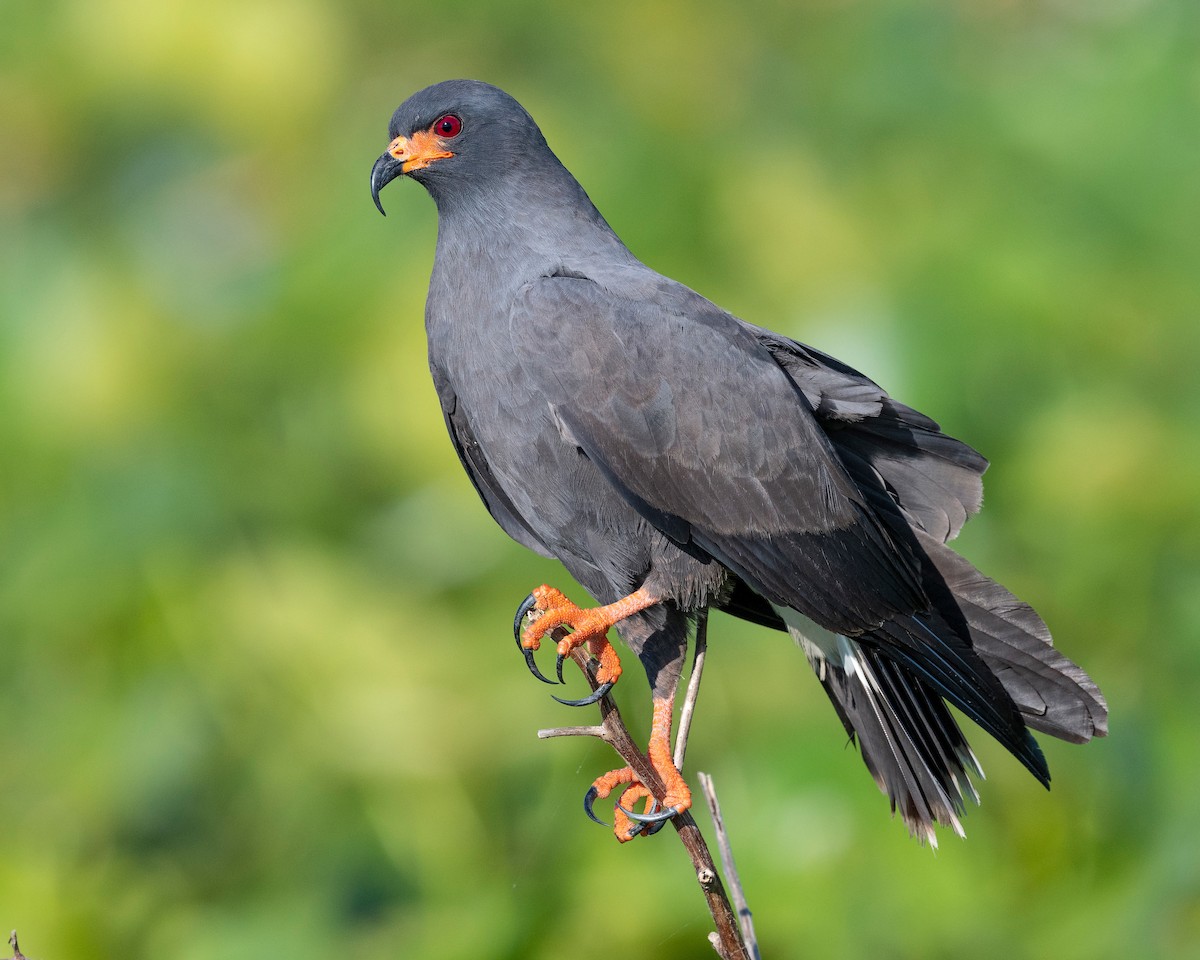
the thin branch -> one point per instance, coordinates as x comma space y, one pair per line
12, 942
693, 689
731, 874
727, 939
594, 731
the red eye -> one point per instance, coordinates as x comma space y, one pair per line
448, 126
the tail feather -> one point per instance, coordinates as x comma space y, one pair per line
978, 648
934, 655
907, 737
931, 653
1053, 694
936, 727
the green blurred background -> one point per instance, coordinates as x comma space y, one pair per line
258, 694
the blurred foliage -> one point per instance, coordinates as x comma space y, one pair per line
257, 695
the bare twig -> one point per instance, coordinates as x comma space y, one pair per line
595, 731
731, 874
693, 689
12, 942
727, 939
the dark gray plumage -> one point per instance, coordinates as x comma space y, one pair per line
616, 420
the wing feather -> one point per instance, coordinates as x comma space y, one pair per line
935, 479
693, 420
498, 503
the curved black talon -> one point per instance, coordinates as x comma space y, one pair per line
653, 828
647, 830
588, 799
590, 698
532, 665
526, 605
558, 664
652, 818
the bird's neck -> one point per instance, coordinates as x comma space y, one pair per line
522, 227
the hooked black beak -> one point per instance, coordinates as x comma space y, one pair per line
387, 168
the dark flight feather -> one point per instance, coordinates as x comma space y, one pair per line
935, 479
1053, 694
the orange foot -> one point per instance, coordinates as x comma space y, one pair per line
548, 610
677, 798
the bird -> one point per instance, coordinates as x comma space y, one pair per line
676, 459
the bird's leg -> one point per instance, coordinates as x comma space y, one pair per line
551, 614
677, 796
550, 610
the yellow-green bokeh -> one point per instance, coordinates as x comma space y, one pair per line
256, 693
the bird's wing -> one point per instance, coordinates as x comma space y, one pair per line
698, 426
934, 479
502, 509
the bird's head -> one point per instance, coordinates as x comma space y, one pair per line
457, 131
